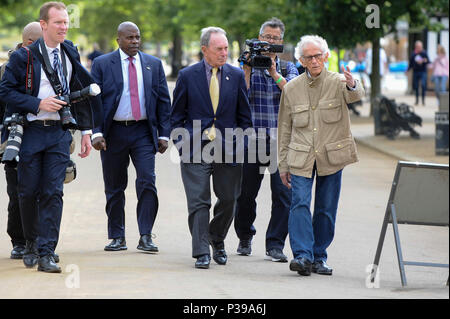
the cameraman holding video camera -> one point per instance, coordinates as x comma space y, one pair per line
34, 79
264, 83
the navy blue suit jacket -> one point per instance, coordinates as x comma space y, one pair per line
191, 101
13, 87
107, 73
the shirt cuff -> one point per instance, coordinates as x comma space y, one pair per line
83, 133
96, 135
163, 138
353, 88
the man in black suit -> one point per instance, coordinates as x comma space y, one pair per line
212, 94
44, 153
136, 125
31, 32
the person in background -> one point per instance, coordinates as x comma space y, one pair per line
440, 72
264, 92
418, 63
30, 33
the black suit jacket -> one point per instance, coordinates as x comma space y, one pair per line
88, 113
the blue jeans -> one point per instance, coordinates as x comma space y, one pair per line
440, 84
310, 237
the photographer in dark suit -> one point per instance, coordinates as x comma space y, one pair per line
30, 33
44, 152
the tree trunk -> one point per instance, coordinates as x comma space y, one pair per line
375, 86
177, 53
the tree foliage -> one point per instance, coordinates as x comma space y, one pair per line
341, 22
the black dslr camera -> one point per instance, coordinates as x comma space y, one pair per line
254, 56
67, 120
15, 124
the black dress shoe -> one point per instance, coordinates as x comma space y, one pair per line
117, 244
301, 265
47, 264
203, 262
320, 267
56, 257
17, 252
30, 254
146, 244
219, 254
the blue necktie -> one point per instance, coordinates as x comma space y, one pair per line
58, 68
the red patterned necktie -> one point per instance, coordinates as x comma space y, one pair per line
134, 94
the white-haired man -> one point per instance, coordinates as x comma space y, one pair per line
314, 138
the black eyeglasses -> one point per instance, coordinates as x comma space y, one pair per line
309, 58
269, 37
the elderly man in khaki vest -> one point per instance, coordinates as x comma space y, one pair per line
314, 139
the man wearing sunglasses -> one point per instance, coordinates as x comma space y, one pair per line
264, 91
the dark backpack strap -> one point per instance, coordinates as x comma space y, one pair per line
283, 67
29, 77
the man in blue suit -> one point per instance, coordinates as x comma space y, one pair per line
136, 125
210, 98
44, 153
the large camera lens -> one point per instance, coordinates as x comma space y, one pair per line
13, 144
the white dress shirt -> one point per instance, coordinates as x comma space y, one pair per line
46, 89
123, 112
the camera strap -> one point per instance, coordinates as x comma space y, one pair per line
52, 76
29, 76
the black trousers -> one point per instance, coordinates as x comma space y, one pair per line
14, 228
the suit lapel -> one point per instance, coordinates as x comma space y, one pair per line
202, 84
224, 87
147, 76
116, 68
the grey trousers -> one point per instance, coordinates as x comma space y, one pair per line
226, 180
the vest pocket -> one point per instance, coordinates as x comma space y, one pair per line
330, 111
297, 155
340, 152
300, 115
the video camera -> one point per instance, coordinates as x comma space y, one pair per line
67, 120
15, 124
254, 56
